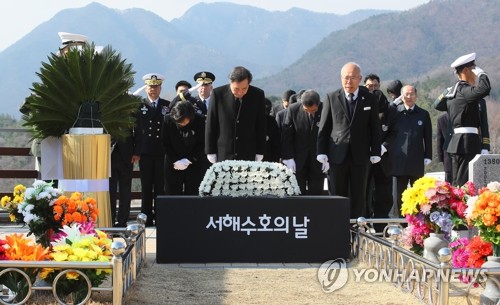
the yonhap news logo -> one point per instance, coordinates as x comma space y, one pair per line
333, 275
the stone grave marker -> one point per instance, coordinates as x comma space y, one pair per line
484, 169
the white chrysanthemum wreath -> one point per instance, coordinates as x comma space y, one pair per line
235, 178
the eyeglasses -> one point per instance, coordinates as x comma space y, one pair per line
350, 78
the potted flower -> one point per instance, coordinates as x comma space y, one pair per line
470, 254
78, 243
18, 247
483, 211
430, 216
34, 207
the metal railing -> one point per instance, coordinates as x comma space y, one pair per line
412, 273
129, 252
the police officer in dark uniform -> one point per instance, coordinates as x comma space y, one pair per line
462, 103
151, 116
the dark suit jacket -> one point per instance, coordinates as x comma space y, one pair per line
299, 139
388, 129
236, 136
338, 133
151, 124
443, 136
413, 142
124, 150
273, 141
277, 108
199, 107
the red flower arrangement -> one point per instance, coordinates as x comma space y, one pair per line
470, 254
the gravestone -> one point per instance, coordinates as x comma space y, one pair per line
484, 169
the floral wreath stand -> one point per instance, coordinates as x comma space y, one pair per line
86, 167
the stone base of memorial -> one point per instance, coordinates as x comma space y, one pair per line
251, 229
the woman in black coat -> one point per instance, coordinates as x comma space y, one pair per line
184, 141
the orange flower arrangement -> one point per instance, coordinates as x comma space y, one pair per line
483, 211
75, 209
17, 247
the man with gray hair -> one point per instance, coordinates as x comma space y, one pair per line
349, 137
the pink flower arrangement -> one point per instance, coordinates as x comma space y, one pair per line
433, 206
470, 254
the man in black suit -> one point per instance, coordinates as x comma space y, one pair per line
412, 147
443, 136
273, 137
151, 116
285, 102
124, 154
349, 137
463, 104
299, 143
379, 191
236, 120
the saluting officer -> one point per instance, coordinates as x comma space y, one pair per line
151, 116
205, 79
462, 103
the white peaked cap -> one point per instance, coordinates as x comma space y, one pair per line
462, 60
70, 37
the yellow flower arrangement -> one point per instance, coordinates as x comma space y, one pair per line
10, 204
79, 243
414, 197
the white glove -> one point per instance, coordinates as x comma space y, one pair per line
322, 158
180, 165
374, 159
484, 152
186, 162
259, 157
325, 167
383, 150
212, 158
478, 71
290, 163
427, 161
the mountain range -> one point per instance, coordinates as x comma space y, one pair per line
213, 37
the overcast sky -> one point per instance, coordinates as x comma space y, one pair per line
18, 18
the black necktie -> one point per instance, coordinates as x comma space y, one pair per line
311, 120
352, 104
154, 105
237, 104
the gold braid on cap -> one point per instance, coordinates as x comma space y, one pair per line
204, 80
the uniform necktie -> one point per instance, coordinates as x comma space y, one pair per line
154, 105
